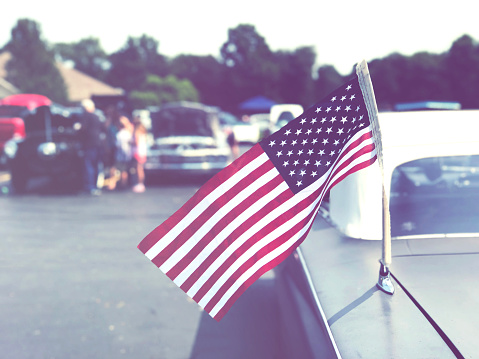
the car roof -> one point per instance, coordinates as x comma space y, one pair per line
355, 202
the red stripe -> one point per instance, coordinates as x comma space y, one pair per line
212, 209
287, 216
267, 267
245, 205
284, 196
356, 168
260, 254
153, 237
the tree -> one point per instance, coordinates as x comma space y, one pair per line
131, 65
157, 91
87, 55
204, 72
327, 80
250, 66
462, 62
296, 84
32, 67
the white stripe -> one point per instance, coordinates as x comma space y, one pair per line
259, 264
243, 217
205, 203
279, 231
183, 251
277, 212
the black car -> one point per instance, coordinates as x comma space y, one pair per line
52, 148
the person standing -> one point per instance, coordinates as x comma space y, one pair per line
139, 150
124, 139
93, 136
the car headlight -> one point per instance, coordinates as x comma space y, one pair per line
10, 148
47, 149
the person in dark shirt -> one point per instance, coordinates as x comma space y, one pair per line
93, 137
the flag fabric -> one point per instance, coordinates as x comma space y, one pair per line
254, 213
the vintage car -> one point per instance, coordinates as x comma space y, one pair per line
51, 149
13, 109
329, 288
186, 139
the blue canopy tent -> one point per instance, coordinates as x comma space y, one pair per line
258, 104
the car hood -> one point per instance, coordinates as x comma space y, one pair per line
441, 276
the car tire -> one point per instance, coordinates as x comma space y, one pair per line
19, 180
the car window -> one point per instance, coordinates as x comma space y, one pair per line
181, 122
437, 195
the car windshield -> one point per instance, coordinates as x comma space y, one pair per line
438, 195
181, 122
12, 111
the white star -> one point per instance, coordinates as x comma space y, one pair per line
313, 121
347, 109
321, 152
340, 131
296, 163
344, 119
357, 109
288, 131
332, 153
304, 142
314, 174
352, 97
319, 130
300, 152
299, 183
323, 120
289, 153
349, 87
306, 163
325, 141
302, 173
317, 163
272, 143
336, 142
279, 153
343, 98
338, 108
354, 119
333, 99
328, 163
314, 141
308, 132
291, 173
298, 131
303, 120
328, 109
318, 109
294, 142
283, 143
329, 130
285, 163
333, 119
310, 152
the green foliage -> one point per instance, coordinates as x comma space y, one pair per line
131, 65
32, 67
157, 91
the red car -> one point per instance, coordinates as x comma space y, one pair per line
13, 110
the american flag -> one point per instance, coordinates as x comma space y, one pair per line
255, 212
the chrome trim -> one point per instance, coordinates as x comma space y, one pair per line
384, 281
318, 304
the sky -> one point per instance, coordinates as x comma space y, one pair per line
342, 32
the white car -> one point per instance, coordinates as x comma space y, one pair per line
186, 139
329, 293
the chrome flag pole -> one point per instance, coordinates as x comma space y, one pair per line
384, 281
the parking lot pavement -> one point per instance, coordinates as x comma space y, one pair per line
76, 286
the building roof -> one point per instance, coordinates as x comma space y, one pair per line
79, 85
